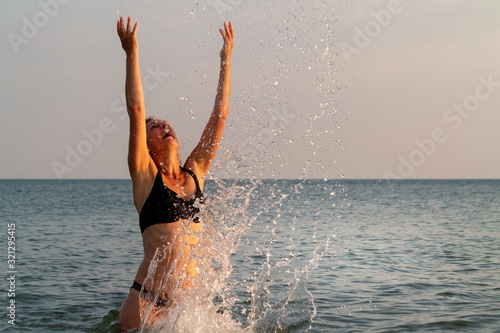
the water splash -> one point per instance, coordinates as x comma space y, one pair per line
246, 279
187, 279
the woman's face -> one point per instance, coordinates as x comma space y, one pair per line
161, 135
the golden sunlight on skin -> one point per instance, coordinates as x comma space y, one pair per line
191, 269
186, 268
178, 254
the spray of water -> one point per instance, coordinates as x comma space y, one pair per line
225, 277
187, 287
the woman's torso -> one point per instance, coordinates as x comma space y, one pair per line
173, 242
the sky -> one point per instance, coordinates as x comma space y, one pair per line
320, 89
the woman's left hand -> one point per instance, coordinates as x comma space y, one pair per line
228, 35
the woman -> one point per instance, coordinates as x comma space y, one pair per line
165, 194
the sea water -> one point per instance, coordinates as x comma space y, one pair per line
300, 255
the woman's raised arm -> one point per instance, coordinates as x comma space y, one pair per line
138, 155
202, 156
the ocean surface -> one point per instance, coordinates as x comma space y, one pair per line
305, 255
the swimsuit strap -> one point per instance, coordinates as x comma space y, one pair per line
194, 177
137, 286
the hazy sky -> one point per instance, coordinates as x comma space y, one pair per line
354, 89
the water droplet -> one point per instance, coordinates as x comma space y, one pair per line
192, 113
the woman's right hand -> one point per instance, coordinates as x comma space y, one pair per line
128, 36
228, 36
